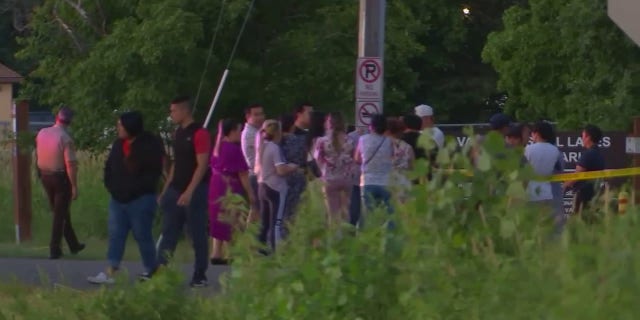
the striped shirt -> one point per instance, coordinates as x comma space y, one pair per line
54, 149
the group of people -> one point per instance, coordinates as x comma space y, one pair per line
277, 157
538, 141
267, 162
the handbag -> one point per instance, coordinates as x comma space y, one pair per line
313, 167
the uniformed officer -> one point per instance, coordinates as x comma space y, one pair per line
58, 167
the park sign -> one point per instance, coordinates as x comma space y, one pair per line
626, 13
570, 143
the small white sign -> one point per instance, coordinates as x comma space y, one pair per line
365, 111
625, 14
632, 145
369, 75
14, 125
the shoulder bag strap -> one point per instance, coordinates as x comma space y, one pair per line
376, 151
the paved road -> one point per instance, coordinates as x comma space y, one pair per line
74, 273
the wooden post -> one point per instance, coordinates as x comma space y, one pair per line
21, 173
636, 163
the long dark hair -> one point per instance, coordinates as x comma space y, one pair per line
336, 122
225, 127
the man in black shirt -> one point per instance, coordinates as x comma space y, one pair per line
413, 125
590, 160
185, 195
411, 135
302, 114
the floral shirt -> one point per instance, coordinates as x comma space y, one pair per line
334, 164
402, 155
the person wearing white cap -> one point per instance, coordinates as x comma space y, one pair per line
425, 112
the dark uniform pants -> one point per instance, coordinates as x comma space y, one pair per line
58, 188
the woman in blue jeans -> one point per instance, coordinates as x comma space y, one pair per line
375, 156
131, 175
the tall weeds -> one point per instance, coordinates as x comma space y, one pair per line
454, 254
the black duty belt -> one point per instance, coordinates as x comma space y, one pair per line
52, 173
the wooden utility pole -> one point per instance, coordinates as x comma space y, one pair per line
21, 174
370, 65
372, 24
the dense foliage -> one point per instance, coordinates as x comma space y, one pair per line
566, 60
447, 258
113, 55
562, 60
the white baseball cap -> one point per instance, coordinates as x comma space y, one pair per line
423, 110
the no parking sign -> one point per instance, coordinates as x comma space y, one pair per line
369, 79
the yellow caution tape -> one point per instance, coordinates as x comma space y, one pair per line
573, 176
602, 174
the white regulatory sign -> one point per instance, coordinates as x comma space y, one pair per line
365, 111
625, 14
369, 79
632, 145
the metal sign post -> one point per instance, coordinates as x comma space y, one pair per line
370, 64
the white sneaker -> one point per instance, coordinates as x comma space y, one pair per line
101, 278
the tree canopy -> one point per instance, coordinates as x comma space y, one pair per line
103, 56
561, 60
566, 60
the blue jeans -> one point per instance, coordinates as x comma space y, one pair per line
355, 205
375, 196
195, 216
136, 216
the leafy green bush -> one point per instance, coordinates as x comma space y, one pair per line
487, 254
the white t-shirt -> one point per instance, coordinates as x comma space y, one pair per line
269, 159
438, 136
376, 152
248, 143
542, 157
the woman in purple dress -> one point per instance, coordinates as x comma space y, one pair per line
229, 174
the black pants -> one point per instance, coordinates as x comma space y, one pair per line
58, 188
582, 203
272, 204
195, 217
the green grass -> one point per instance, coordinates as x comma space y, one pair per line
448, 257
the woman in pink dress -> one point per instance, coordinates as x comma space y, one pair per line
229, 174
